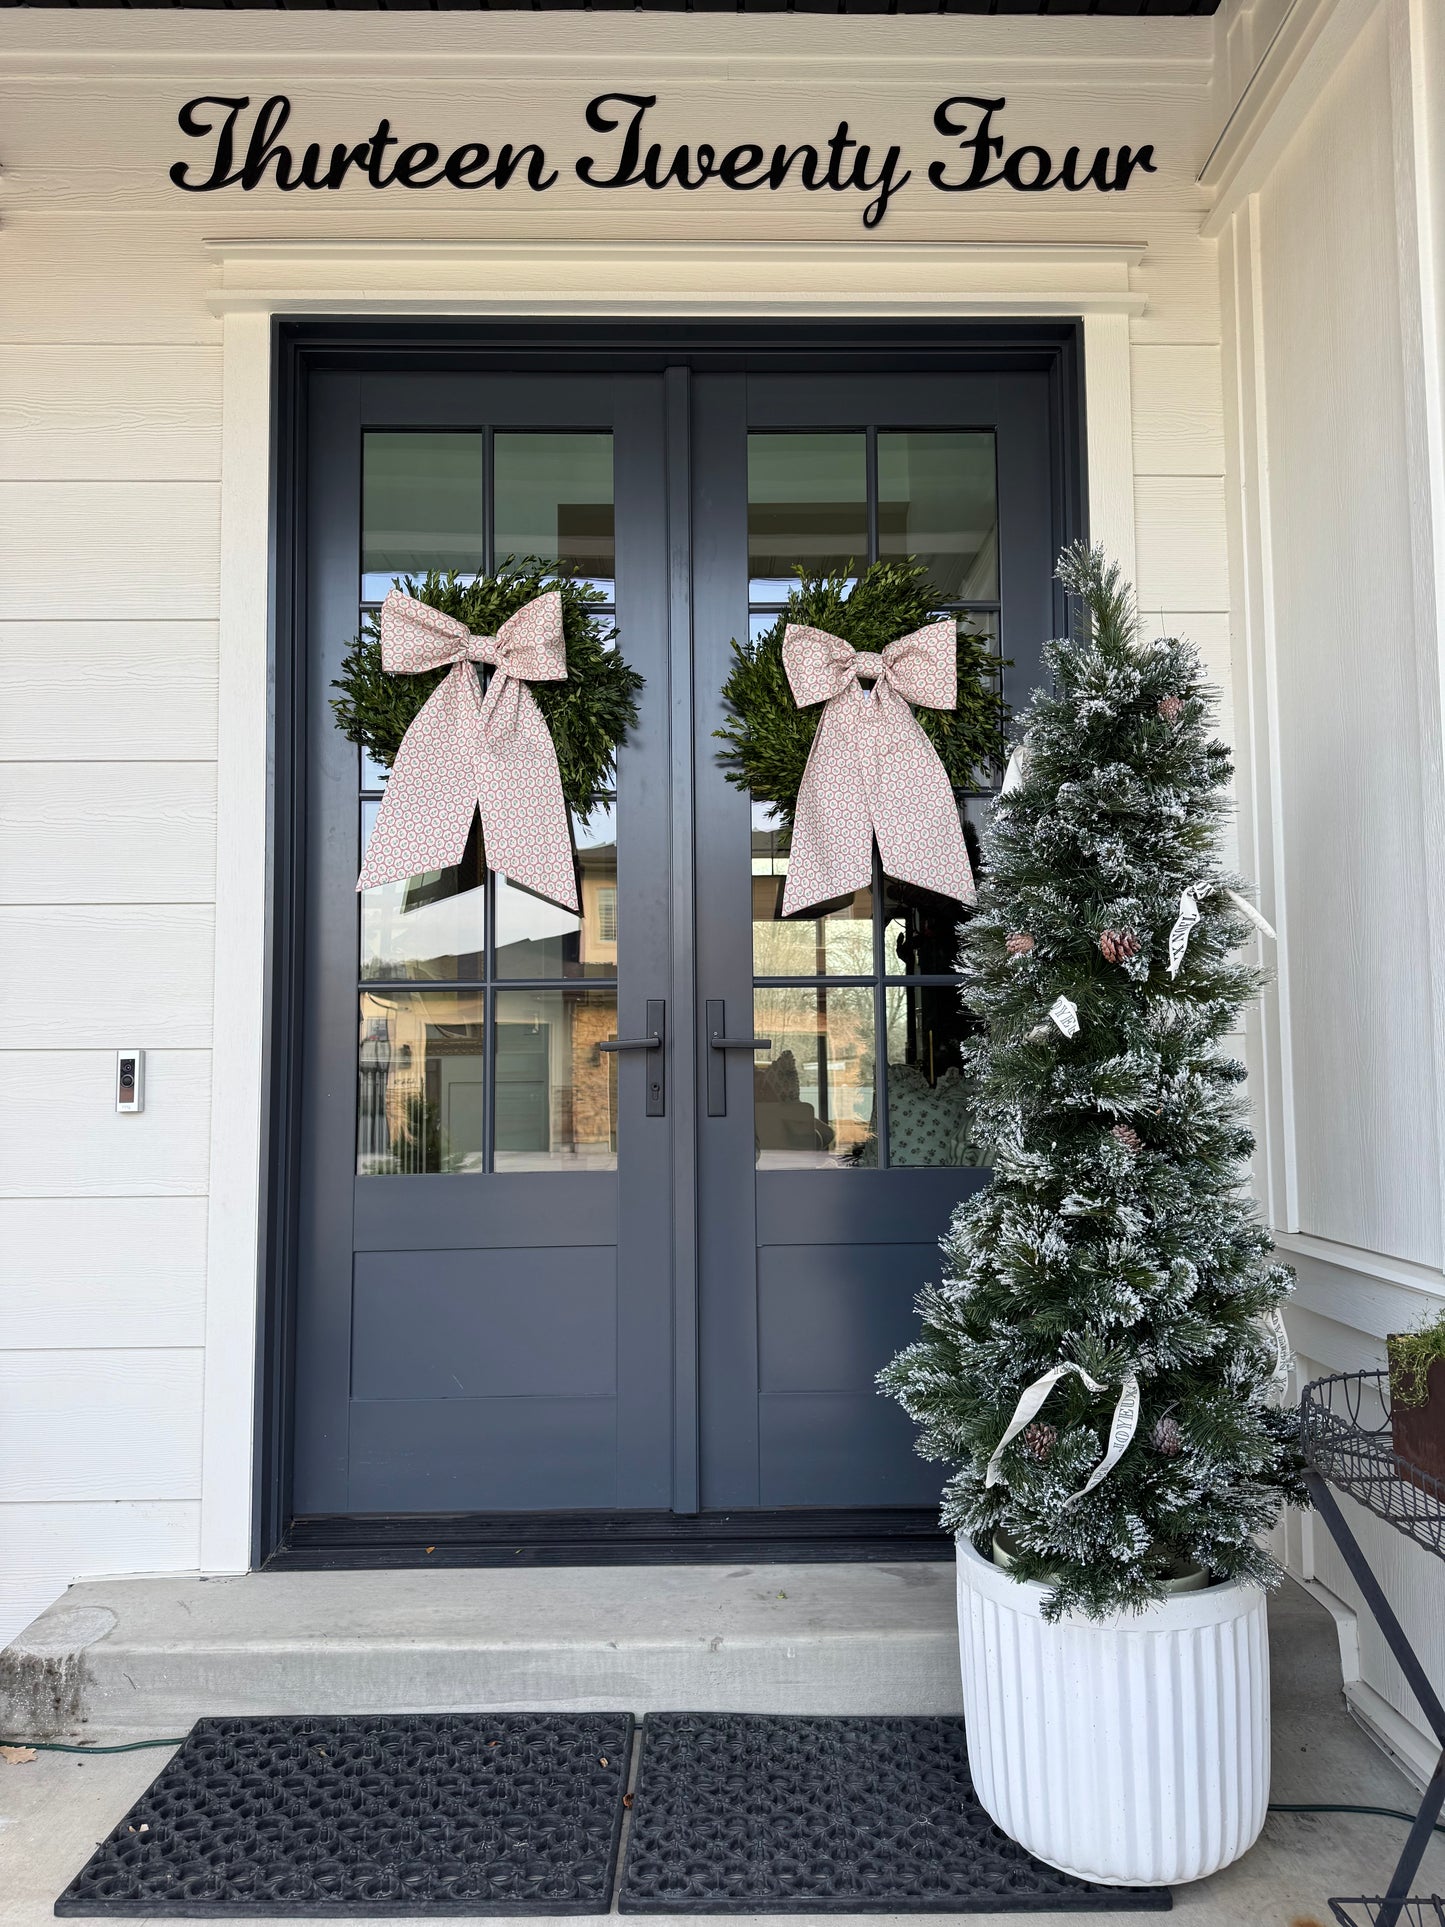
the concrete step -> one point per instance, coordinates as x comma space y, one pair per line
152, 1655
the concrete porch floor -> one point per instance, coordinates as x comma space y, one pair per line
54, 1810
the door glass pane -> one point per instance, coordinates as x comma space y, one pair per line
930, 1116
813, 1089
837, 941
537, 939
555, 1092
420, 1082
922, 932
429, 926
554, 500
938, 500
421, 496
807, 505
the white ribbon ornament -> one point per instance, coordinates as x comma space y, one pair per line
1272, 1324
1183, 927
1122, 1426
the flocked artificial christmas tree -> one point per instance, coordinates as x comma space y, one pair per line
1116, 1239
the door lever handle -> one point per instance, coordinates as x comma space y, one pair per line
655, 1017
715, 1023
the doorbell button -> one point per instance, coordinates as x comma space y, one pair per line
130, 1069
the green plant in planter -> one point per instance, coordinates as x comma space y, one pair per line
588, 714
1411, 1356
768, 737
1115, 1236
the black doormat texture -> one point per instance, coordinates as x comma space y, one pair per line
392, 1816
779, 1814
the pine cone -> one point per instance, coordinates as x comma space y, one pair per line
1019, 943
1038, 1441
1168, 1439
1128, 1137
1171, 708
1118, 946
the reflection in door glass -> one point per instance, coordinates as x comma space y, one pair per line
427, 927
930, 1109
421, 497
938, 500
835, 942
556, 1093
420, 1082
813, 1092
554, 500
807, 507
537, 939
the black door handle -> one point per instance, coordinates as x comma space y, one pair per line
716, 1022
655, 1040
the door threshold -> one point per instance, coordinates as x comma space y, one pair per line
801, 1535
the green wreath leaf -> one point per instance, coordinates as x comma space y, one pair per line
589, 714
767, 737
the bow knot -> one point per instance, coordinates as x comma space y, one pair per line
466, 752
843, 800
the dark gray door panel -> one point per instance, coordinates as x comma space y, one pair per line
469, 1324
484, 1455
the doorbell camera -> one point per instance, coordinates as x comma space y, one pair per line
130, 1080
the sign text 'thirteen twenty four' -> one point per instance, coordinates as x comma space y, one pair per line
246, 151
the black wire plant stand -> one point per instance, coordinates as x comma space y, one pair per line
1346, 1441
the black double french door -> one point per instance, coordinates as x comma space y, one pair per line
538, 1278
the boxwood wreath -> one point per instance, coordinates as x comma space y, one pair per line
589, 714
767, 737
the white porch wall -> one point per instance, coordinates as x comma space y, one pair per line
1330, 187
111, 564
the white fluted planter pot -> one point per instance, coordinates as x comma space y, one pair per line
1132, 1750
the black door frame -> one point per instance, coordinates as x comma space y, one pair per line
300, 347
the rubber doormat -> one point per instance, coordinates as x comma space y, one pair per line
771, 1814
449, 1813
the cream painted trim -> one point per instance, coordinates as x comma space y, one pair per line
617, 48
351, 278
660, 278
1312, 40
1109, 445
233, 1243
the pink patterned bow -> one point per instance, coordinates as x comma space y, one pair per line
872, 771
465, 752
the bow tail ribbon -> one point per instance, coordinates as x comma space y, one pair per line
526, 831
431, 794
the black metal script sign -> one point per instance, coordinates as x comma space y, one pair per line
245, 149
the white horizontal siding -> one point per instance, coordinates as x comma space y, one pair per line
102, 1273
91, 976
45, 1545
142, 550
114, 413
108, 691
100, 280
1179, 532
62, 1137
1178, 424
100, 1425
108, 833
